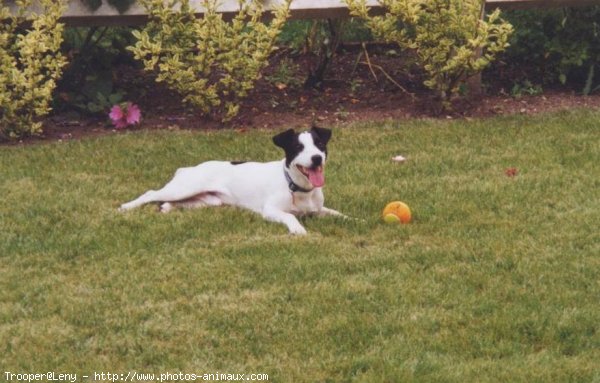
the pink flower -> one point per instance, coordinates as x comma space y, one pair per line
123, 115
134, 114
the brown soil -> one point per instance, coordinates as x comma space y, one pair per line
352, 92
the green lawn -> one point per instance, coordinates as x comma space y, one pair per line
496, 280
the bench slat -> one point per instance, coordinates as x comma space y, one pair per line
79, 15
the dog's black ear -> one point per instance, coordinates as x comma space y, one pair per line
323, 133
284, 139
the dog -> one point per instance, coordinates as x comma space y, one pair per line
278, 190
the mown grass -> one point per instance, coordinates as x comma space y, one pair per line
497, 278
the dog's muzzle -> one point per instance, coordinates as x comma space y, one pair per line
315, 175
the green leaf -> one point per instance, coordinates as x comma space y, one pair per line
562, 78
115, 98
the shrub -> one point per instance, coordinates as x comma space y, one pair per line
558, 45
451, 40
90, 84
211, 62
30, 64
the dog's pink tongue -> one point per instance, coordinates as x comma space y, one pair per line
316, 177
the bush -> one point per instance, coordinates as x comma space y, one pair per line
30, 64
556, 46
90, 83
211, 62
451, 41
319, 41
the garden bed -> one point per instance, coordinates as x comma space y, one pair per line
280, 101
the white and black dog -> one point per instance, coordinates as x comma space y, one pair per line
278, 190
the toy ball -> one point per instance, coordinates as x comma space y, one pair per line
396, 212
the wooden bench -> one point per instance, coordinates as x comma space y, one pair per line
78, 15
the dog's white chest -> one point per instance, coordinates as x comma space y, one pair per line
303, 203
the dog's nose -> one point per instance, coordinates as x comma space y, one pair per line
317, 160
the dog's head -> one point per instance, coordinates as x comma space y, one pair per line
305, 155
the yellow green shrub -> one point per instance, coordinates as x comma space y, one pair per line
451, 40
30, 64
213, 63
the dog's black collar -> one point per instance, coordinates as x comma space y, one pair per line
294, 187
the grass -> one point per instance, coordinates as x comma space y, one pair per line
497, 279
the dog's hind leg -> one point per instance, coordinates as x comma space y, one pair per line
187, 184
141, 200
200, 200
172, 191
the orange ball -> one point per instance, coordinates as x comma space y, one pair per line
396, 212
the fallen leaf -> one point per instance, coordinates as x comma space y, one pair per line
511, 172
399, 158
